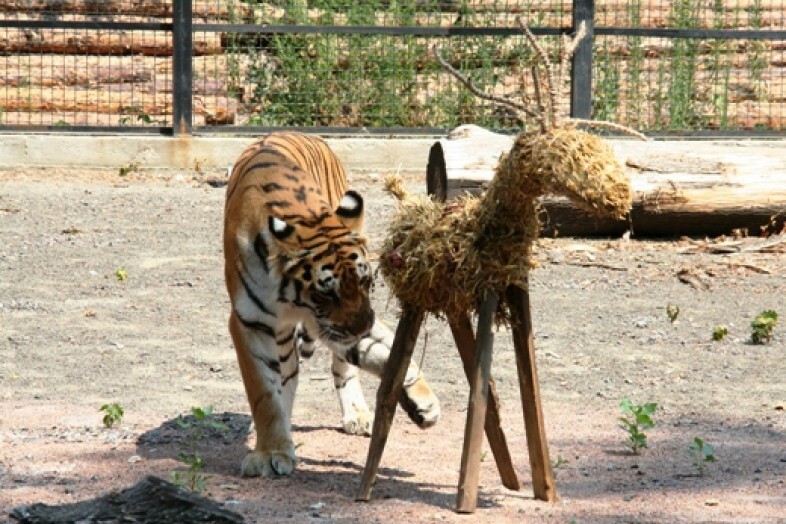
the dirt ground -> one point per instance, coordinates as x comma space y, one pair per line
73, 336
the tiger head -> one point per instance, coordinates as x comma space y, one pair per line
324, 260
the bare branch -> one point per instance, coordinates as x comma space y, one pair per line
609, 125
553, 88
577, 38
567, 50
538, 95
485, 96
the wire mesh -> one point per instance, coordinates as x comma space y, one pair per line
88, 73
677, 84
310, 69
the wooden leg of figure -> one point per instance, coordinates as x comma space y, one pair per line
476, 413
524, 344
465, 342
390, 388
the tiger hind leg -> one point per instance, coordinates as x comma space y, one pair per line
371, 354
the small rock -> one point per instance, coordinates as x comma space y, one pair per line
711, 502
133, 459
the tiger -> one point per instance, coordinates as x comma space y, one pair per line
297, 271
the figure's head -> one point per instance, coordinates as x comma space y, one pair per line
581, 166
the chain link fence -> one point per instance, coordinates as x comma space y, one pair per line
341, 66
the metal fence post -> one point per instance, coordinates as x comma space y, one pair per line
581, 67
182, 74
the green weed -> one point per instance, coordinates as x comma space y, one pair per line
763, 325
113, 414
719, 333
672, 312
637, 419
701, 453
194, 478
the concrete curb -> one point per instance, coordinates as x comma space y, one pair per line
114, 151
373, 154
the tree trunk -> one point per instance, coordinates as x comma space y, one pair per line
680, 188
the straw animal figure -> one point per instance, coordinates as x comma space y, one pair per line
440, 257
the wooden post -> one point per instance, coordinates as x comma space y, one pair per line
524, 345
476, 413
581, 62
390, 388
182, 70
465, 342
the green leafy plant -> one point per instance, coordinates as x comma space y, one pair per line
130, 168
121, 274
672, 312
113, 414
701, 453
194, 478
719, 333
637, 419
763, 325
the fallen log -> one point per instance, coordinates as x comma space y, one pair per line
680, 188
105, 43
150, 500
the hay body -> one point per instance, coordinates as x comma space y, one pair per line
441, 257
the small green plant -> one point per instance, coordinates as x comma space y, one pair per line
719, 333
637, 419
701, 453
561, 461
113, 414
672, 312
121, 275
193, 478
763, 325
130, 168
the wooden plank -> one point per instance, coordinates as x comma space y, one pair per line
390, 388
461, 328
543, 484
469, 474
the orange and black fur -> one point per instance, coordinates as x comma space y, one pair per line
297, 270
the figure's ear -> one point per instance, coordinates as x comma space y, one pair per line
280, 229
350, 210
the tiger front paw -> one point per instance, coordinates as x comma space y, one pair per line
360, 423
273, 463
420, 403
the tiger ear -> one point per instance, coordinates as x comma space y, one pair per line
280, 229
350, 210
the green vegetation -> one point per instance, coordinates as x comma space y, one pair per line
637, 419
113, 414
763, 325
672, 312
193, 478
700, 453
372, 80
719, 333
121, 274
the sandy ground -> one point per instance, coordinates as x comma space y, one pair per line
74, 337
